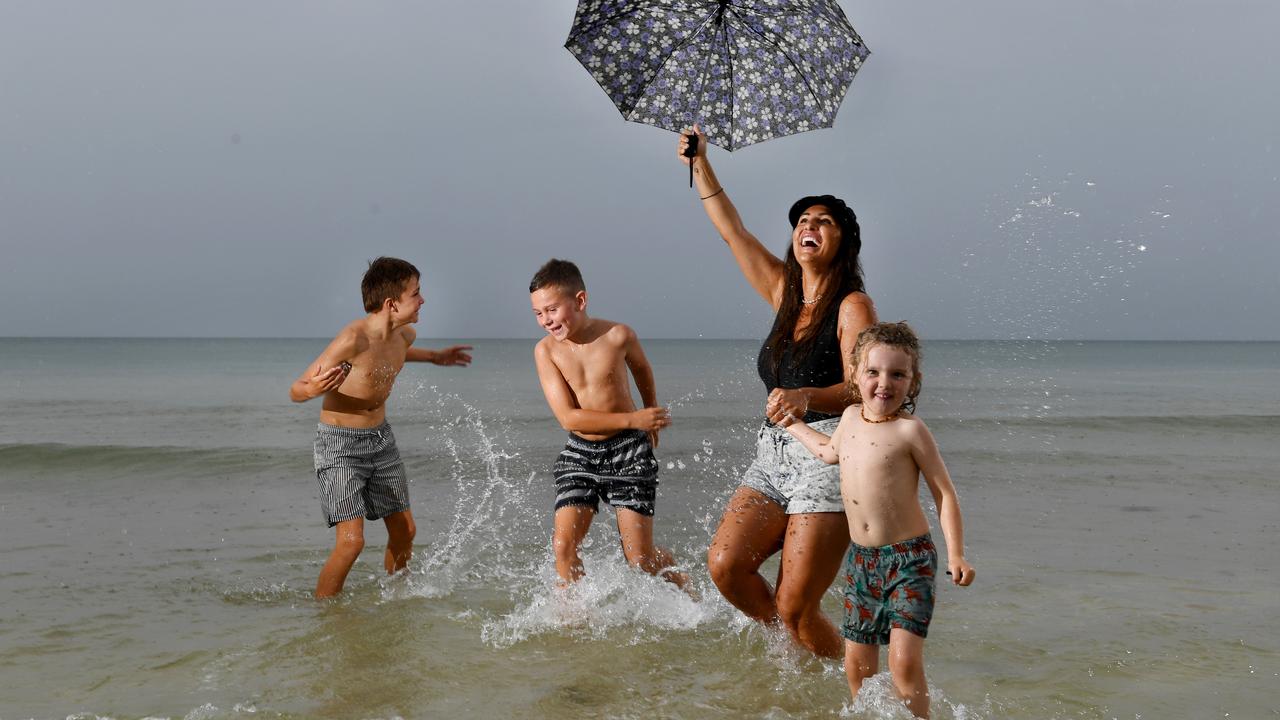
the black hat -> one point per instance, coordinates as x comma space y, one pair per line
843, 214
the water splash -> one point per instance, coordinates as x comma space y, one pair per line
489, 501
878, 700
611, 597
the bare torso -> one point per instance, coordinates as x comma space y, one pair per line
595, 369
360, 402
879, 480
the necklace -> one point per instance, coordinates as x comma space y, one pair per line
862, 410
815, 299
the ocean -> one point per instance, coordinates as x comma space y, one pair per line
160, 537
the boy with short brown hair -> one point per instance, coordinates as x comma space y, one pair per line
357, 464
582, 365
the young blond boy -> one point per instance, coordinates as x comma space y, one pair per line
582, 365
357, 464
882, 449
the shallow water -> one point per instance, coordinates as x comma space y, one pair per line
159, 539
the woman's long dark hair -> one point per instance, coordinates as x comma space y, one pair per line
845, 270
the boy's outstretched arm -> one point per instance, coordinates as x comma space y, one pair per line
642, 372
326, 372
824, 447
925, 452
574, 419
452, 355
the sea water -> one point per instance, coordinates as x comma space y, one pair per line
160, 537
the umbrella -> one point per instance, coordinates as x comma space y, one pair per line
747, 70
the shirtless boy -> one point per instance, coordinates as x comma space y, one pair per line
357, 464
582, 365
883, 449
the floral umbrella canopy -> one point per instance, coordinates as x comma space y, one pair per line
747, 70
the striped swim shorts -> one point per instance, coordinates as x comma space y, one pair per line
360, 473
621, 470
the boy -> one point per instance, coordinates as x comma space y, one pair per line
582, 365
357, 464
883, 449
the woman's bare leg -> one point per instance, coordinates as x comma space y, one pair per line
751, 530
811, 553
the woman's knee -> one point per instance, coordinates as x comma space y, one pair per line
794, 607
726, 567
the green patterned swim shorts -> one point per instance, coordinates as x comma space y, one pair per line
889, 587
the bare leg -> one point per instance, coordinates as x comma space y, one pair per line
571, 525
860, 662
636, 532
811, 554
347, 544
400, 533
750, 531
906, 664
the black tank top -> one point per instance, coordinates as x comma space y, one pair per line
822, 367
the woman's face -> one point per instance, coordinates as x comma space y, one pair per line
816, 238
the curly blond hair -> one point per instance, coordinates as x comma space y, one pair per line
895, 335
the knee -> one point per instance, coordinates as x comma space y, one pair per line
792, 609
857, 671
907, 671
401, 530
564, 549
723, 567
349, 545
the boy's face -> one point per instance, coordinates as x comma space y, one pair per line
884, 379
558, 311
405, 308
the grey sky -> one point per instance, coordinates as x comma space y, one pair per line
226, 169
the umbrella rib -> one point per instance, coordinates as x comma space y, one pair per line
786, 55
702, 85
667, 59
733, 88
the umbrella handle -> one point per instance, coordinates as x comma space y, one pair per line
691, 152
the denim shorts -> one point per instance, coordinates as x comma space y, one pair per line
787, 473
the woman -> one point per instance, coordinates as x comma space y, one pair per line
789, 501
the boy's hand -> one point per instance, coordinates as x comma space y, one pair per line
651, 419
325, 380
782, 403
455, 355
960, 570
683, 144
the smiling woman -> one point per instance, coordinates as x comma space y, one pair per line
788, 500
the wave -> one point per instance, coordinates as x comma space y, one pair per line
1245, 424
58, 457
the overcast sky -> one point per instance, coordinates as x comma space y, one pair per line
1091, 169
